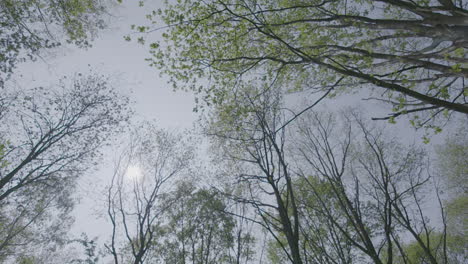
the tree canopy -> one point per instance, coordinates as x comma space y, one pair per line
50, 137
29, 26
265, 176
408, 54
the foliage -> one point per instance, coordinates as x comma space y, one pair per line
410, 54
29, 26
90, 247
452, 160
368, 191
452, 157
200, 230
3, 163
324, 188
55, 135
252, 137
321, 244
456, 246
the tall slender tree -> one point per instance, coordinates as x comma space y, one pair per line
153, 159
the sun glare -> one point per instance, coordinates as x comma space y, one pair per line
133, 172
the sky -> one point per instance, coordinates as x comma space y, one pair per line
153, 99
124, 63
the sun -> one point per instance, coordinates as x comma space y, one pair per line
133, 172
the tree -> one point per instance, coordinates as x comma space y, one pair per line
251, 136
319, 242
200, 230
151, 162
29, 26
51, 136
381, 188
328, 189
452, 170
410, 54
454, 250
452, 157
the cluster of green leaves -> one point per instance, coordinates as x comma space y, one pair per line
320, 242
194, 226
339, 45
198, 229
3, 162
455, 246
452, 160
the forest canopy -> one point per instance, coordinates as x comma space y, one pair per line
287, 159
408, 55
